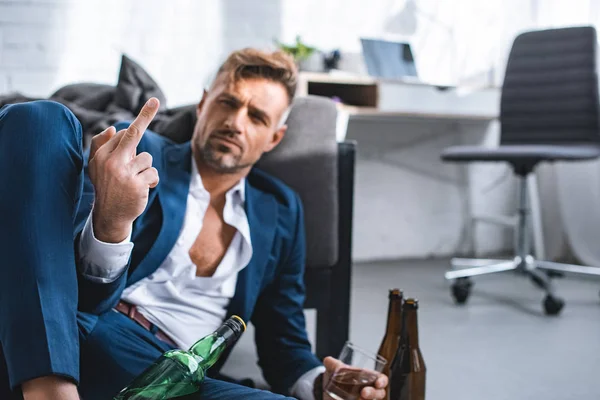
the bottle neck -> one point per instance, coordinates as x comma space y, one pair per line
210, 347
394, 320
226, 333
412, 327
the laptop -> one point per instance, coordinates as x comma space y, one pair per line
389, 60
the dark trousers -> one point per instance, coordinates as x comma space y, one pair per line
41, 330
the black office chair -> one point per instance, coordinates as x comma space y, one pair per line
549, 111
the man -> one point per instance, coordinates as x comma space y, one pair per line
162, 244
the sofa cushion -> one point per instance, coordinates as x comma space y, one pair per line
135, 87
306, 160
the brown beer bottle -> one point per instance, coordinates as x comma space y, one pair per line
390, 341
407, 380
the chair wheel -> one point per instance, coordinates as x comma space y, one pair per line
553, 305
461, 289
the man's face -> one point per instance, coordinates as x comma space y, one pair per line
238, 122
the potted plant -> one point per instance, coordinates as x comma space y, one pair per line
301, 53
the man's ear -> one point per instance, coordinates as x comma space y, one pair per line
276, 138
201, 103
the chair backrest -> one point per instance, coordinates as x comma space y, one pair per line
307, 161
550, 90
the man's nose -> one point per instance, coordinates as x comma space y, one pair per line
236, 121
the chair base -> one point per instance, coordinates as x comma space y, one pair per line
464, 268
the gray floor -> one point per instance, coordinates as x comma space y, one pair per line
499, 347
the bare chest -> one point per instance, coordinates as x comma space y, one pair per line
211, 244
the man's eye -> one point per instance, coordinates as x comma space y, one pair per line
258, 118
228, 103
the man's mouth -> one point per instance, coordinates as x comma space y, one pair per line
224, 139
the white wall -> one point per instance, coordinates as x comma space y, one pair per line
452, 40
410, 204
47, 43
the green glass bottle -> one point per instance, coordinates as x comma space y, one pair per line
179, 372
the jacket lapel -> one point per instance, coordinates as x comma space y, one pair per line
172, 192
261, 211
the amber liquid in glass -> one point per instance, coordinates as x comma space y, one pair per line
347, 383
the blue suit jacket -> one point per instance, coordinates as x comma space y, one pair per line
269, 291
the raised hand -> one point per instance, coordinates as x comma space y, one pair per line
121, 178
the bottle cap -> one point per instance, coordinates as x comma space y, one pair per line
411, 303
238, 318
395, 293
234, 325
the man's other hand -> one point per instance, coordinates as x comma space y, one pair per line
121, 178
376, 391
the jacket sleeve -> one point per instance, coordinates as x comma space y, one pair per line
284, 351
94, 296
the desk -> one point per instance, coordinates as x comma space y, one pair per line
408, 204
363, 98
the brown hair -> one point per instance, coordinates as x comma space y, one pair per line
276, 66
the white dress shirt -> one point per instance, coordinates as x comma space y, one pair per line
186, 307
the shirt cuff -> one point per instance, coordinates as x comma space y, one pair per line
100, 261
303, 388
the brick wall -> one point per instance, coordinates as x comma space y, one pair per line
45, 44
